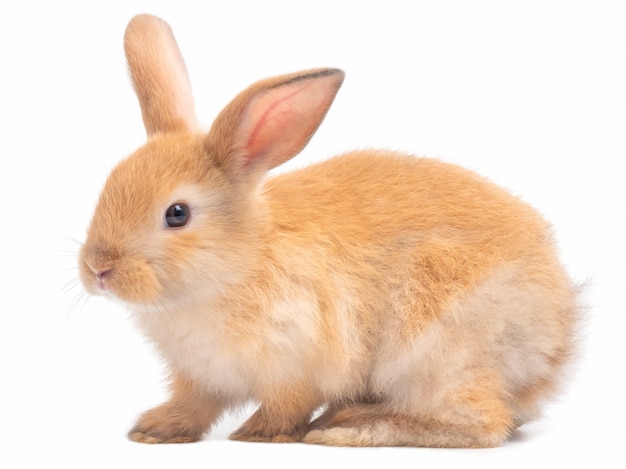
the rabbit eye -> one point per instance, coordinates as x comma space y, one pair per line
177, 215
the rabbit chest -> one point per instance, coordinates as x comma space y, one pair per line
248, 356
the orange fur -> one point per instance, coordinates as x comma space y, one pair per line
413, 301
185, 418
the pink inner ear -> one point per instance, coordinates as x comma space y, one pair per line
281, 120
268, 124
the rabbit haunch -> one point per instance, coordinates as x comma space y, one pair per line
411, 301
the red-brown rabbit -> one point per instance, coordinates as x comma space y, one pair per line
406, 300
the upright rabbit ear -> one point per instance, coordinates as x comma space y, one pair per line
159, 76
273, 120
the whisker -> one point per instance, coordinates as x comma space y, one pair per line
72, 250
68, 255
70, 239
70, 284
81, 299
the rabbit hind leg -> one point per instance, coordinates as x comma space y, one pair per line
469, 418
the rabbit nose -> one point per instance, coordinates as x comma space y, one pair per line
100, 271
102, 274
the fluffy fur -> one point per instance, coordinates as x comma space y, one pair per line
411, 301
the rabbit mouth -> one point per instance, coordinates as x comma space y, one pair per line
102, 279
124, 278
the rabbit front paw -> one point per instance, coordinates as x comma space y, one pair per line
163, 425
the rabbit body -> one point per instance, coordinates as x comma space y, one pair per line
409, 301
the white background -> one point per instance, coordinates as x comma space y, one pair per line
530, 94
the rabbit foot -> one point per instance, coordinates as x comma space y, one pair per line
264, 426
338, 436
157, 436
342, 427
162, 425
265, 437
373, 425
163, 432
269, 432
186, 417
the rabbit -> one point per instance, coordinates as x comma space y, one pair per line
375, 298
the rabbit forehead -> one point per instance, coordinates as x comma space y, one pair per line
154, 171
164, 162
167, 169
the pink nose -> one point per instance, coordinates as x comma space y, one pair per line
103, 274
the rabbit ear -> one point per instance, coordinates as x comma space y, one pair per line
273, 120
159, 75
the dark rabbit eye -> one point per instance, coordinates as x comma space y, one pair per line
177, 215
